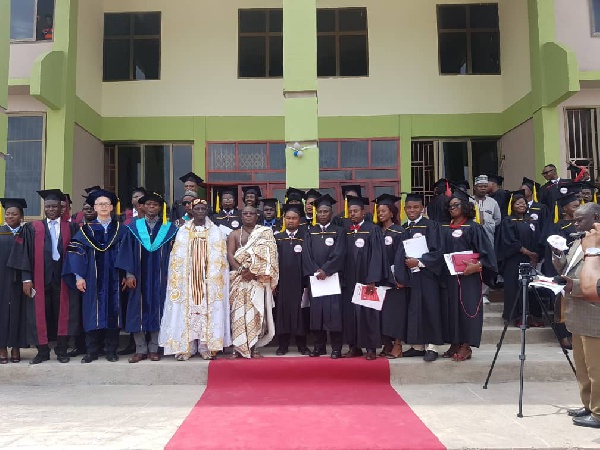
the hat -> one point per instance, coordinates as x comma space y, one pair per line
462, 184
413, 197
294, 194
91, 189
463, 196
20, 203
91, 199
351, 187
191, 176
386, 199
297, 208
190, 194
566, 199
312, 193
270, 202
52, 194
220, 191
324, 200
151, 196
495, 179
442, 184
481, 179
251, 190
359, 201
139, 189
586, 185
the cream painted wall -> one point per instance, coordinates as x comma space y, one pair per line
24, 103
90, 35
516, 148
22, 55
87, 160
574, 30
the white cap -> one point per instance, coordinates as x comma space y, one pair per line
481, 179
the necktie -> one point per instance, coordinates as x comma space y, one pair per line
292, 235
269, 224
54, 237
411, 224
323, 229
354, 227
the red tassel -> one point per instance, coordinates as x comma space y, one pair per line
448, 190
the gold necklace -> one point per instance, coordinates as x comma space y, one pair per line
108, 246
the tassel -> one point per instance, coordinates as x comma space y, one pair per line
556, 218
375, 213
282, 225
345, 207
278, 209
118, 207
477, 215
218, 205
314, 218
164, 219
535, 198
510, 205
402, 215
448, 190
595, 198
1, 216
581, 202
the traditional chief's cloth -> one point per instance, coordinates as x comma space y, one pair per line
197, 302
252, 301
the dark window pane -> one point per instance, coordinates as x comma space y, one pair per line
146, 54
276, 20
269, 176
353, 56
129, 167
380, 190
157, 170
596, 15
253, 21
182, 163
453, 53
484, 16
252, 63
147, 24
230, 177
276, 56
485, 157
45, 25
252, 156
116, 60
353, 19
354, 154
117, 24
335, 175
384, 154
24, 173
277, 156
22, 19
485, 53
326, 56
325, 20
221, 157
456, 160
452, 17
25, 128
328, 155
377, 174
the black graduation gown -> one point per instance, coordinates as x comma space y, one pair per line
13, 319
393, 313
288, 314
515, 233
233, 220
549, 192
342, 221
463, 314
276, 227
540, 215
424, 299
326, 251
562, 228
437, 209
502, 197
366, 263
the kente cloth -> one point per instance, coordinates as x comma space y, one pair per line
197, 301
252, 301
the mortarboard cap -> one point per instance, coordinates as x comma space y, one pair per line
566, 199
151, 196
441, 183
414, 197
462, 184
191, 176
520, 192
387, 199
251, 190
495, 179
52, 194
351, 187
95, 195
324, 200
20, 203
295, 207
359, 201
139, 189
91, 189
463, 196
312, 193
586, 185
293, 194
270, 202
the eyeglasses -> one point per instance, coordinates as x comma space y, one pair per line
247, 213
185, 203
548, 171
454, 206
103, 204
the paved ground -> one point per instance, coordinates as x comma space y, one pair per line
141, 417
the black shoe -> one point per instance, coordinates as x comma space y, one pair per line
317, 352
430, 356
129, 350
336, 354
281, 351
112, 357
63, 358
75, 352
304, 351
88, 358
39, 359
586, 421
579, 412
412, 352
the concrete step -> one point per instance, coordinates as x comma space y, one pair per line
491, 335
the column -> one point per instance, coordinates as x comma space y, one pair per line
4, 56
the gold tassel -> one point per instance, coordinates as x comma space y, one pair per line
595, 198
535, 198
118, 207
282, 225
218, 205
477, 215
556, 218
164, 213
314, 218
346, 207
278, 209
1, 216
581, 202
510, 205
375, 213
402, 215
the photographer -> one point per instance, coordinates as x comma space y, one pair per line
582, 317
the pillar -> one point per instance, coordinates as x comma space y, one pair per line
4, 61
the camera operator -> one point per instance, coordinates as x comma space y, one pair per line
581, 316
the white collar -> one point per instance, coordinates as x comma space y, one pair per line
289, 233
416, 221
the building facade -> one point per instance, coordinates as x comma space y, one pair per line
389, 94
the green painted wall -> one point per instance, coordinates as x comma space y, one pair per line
4, 61
47, 79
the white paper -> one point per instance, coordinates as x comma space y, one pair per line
548, 283
415, 247
328, 286
450, 264
558, 242
305, 303
356, 297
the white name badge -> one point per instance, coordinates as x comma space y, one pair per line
360, 243
329, 242
298, 248
563, 190
388, 240
532, 226
534, 216
235, 224
457, 233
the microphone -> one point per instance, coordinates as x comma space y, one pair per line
577, 235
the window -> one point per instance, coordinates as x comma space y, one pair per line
246, 162
157, 167
469, 39
375, 159
131, 46
32, 20
25, 148
342, 44
582, 134
260, 43
595, 13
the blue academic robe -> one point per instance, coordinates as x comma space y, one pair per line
92, 254
145, 254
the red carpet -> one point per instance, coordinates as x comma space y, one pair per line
285, 403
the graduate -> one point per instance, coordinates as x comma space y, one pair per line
554, 187
90, 266
536, 211
251, 196
293, 195
136, 209
290, 317
78, 216
144, 257
518, 242
587, 192
366, 263
393, 313
463, 311
495, 191
437, 207
309, 199
191, 182
13, 321
424, 330
324, 254
271, 213
349, 190
226, 212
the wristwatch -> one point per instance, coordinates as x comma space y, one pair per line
592, 251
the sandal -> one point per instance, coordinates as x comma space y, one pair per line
207, 356
256, 354
15, 355
463, 353
451, 351
182, 356
4, 356
234, 355
397, 353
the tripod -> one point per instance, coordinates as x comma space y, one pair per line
526, 275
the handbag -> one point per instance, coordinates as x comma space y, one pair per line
459, 261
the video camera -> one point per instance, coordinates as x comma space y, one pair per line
526, 270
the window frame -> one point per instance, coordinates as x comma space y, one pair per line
131, 37
595, 136
267, 34
468, 30
28, 218
35, 25
594, 21
337, 34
